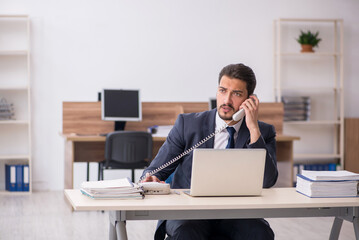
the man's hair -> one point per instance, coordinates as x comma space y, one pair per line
241, 72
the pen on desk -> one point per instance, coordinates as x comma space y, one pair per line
177, 192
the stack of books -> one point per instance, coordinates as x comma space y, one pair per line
6, 110
296, 108
112, 189
328, 183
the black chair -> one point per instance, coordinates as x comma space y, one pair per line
126, 150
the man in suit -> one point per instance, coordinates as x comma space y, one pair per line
235, 91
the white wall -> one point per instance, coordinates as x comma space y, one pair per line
171, 50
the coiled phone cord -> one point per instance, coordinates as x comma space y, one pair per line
151, 173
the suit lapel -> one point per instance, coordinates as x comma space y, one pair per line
209, 128
243, 135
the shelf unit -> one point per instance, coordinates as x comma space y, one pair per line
15, 137
317, 75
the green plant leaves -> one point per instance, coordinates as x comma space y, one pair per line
309, 38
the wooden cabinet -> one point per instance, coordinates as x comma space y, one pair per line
318, 76
15, 133
351, 144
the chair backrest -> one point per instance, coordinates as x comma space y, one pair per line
128, 147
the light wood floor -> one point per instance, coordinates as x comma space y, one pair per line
46, 215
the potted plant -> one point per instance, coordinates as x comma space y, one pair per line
308, 40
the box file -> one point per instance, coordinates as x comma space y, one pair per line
26, 178
19, 177
10, 177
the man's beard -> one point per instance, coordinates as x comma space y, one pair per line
226, 117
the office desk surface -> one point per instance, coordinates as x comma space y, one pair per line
273, 198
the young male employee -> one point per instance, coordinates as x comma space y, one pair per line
235, 91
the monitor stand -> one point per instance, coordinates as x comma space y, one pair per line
120, 125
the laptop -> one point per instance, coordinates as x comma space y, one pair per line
227, 172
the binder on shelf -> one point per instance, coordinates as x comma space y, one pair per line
26, 178
10, 177
19, 178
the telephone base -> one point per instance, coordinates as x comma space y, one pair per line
155, 188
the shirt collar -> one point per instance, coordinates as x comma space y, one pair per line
220, 122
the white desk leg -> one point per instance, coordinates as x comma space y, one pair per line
121, 230
356, 227
337, 225
117, 226
112, 232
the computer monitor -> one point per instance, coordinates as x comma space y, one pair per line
121, 105
212, 103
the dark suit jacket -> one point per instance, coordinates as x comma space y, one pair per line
191, 128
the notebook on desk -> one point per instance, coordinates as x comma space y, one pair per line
227, 172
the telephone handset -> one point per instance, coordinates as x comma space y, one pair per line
236, 117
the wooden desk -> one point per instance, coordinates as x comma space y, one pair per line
88, 148
274, 203
85, 118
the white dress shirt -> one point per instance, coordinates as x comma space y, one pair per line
221, 138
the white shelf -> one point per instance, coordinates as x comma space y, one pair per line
17, 16
14, 88
313, 122
317, 75
311, 89
314, 54
13, 157
316, 156
308, 20
14, 122
15, 136
14, 53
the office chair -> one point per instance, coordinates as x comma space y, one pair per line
126, 150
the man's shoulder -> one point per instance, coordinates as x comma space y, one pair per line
263, 124
266, 127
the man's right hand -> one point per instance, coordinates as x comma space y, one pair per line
151, 178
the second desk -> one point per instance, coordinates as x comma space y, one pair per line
91, 148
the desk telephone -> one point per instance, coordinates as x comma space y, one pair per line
163, 188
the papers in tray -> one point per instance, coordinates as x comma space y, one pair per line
112, 189
330, 175
330, 184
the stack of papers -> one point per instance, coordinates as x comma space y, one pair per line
112, 189
328, 183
